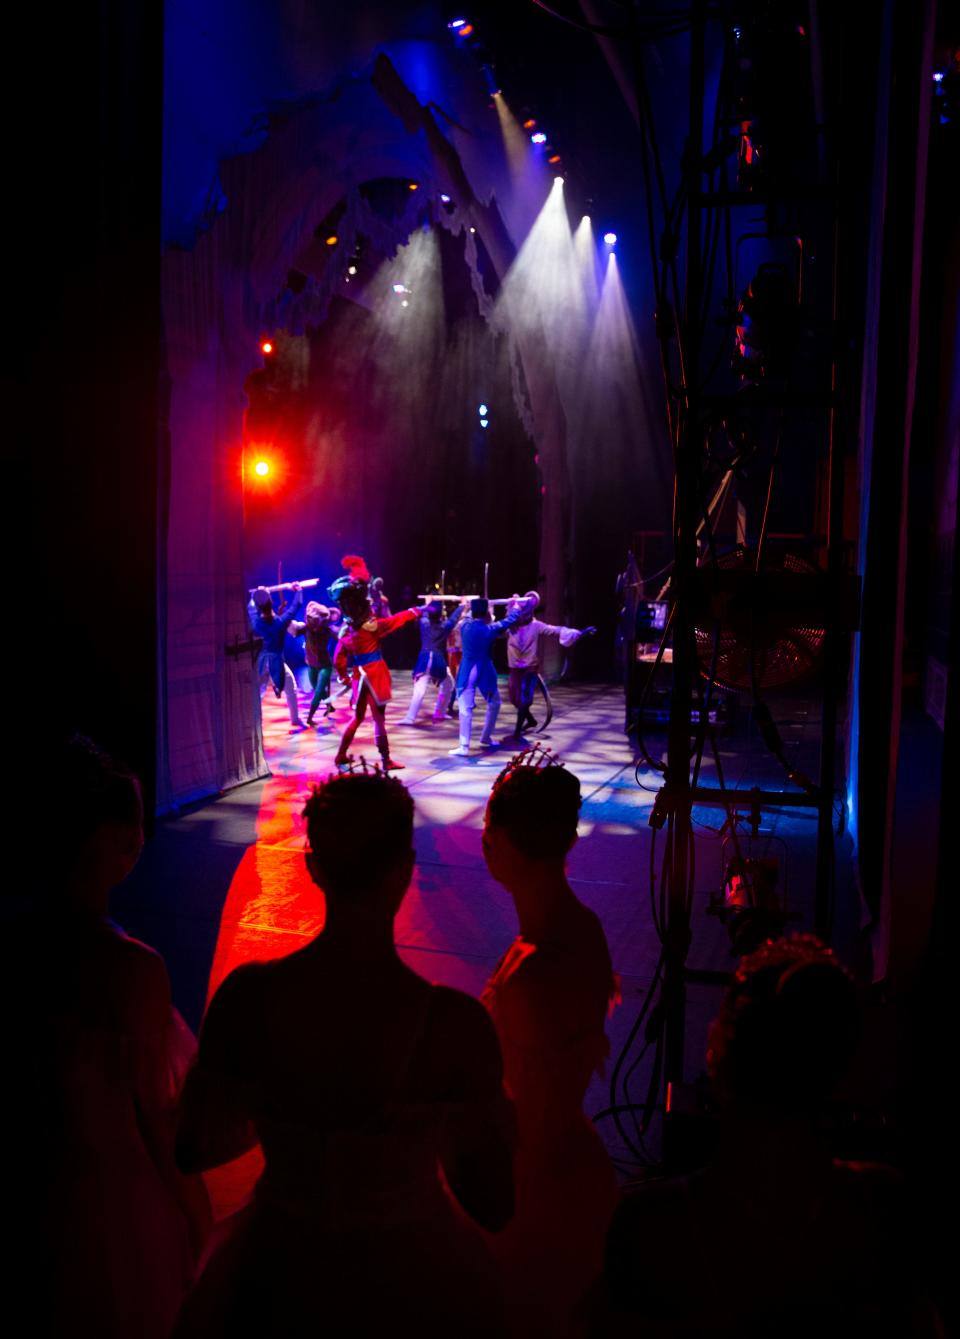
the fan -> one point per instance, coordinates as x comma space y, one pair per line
776, 612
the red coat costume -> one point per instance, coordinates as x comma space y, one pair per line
359, 655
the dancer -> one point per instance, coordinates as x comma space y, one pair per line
272, 629
549, 998
93, 1071
431, 666
316, 639
523, 657
358, 657
477, 668
454, 657
382, 1122
379, 600
835, 1247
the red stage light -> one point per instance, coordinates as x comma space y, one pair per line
465, 30
266, 347
529, 123
554, 158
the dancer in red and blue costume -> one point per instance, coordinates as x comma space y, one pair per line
360, 658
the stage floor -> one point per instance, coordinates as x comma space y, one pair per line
227, 883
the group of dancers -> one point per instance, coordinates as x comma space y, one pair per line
455, 653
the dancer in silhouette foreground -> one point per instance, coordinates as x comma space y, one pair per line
378, 1102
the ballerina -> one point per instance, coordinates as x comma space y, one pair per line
549, 999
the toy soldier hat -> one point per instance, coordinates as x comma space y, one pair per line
261, 597
478, 607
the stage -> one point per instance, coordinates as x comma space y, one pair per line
226, 883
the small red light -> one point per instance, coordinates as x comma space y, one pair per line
529, 124
266, 347
554, 158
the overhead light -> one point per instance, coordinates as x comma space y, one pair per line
444, 199
482, 409
351, 269
333, 239
456, 23
610, 238
538, 137
266, 347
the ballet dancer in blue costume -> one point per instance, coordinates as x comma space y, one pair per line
477, 670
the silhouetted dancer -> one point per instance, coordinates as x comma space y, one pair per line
378, 1102
549, 999
774, 1237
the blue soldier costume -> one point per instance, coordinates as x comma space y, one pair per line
477, 669
272, 631
431, 666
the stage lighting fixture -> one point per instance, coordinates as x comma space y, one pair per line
444, 199
266, 347
465, 30
472, 229
610, 238
456, 23
529, 124
400, 288
262, 468
413, 186
554, 158
351, 269
332, 239
538, 137
482, 409
404, 303
484, 422
491, 81
938, 76
558, 181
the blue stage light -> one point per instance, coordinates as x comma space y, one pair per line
484, 422
538, 137
938, 77
444, 199
482, 409
610, 238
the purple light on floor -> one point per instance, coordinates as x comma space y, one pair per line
538, 137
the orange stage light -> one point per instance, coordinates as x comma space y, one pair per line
332, 239
266, 347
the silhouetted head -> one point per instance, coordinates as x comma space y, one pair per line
360, 830
787, 1028
434, 609
480, 609
101, 819
531, 818
263, 602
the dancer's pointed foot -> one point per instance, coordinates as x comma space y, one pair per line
461, 751
391, 765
